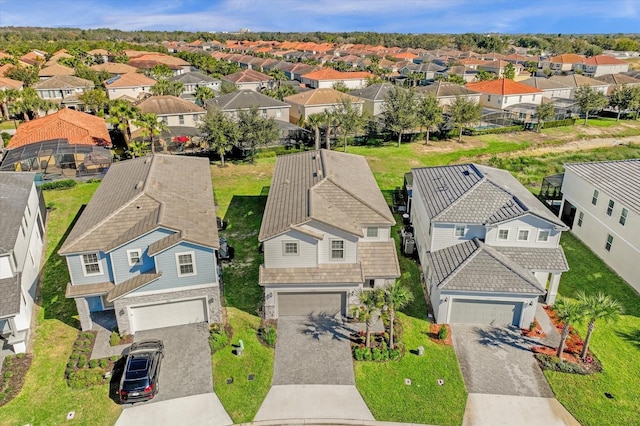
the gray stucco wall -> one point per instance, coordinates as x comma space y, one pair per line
83, 314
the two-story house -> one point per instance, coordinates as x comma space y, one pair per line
144, 248
63, 89
601, 204
194, 79
131, 85
21, 245
173, 111
325, 234
232, 103
504, 92
488, 248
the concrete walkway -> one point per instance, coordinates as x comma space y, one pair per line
103, 324
508, 410
197, 410
552, 338
290, 402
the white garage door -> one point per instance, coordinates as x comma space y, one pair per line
168, 314
485, 312
303, 304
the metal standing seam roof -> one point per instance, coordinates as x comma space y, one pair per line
334, 188
168, 191
475, 266
471, 193
618, 179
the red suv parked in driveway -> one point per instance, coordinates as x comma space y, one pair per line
139, 380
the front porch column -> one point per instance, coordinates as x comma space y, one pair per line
552, 292
84, 314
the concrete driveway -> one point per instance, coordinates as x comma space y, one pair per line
313, 351
498, 360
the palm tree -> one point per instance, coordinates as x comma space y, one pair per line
329, 120
150, 126
597, 307
315, 122
370, 302
569, 312
203, 93
138, 148
120, 113
278, 75
28, 103
396, 296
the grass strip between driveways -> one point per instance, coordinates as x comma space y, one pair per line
243, 397
45, 398
616, 345
382, 384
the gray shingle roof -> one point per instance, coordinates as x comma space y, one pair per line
375, 92
475, 266
533, 258
444, 89
15, 188
471, 193
332, 274
63, 82
10, 296
193, 77
245, 99
331, 187
619, 179
169, 191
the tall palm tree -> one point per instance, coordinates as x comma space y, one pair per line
121, 113
569, 312
150, 126
278, 75
396, 296
315, 122
329, 120
203, 93
138, 148
370, 302
28, 103
598, 307
7, 97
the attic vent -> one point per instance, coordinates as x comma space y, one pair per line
139, 185
466, 173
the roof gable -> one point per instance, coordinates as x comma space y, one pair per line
502, 86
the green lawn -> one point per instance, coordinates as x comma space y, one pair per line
382, 385
616, 345
243, 398
45, 397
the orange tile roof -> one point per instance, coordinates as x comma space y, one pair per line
331, 74
5, 68
405, 55
567, 58
502, 86
77, 127
10, 83
98, 52
603, 60
114, 68
130, 79
56, 69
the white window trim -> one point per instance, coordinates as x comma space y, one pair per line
193, 263
344, 248
84, 267
498, 234
373, 228
455, 230
284, 248
523, 229
130, 252
624, 215
608, 243
540, 231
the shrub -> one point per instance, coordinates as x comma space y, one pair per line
86, 378
493, 131
358, 353
82, 364
394, 354
72, 364
20, 356
8, 361
269, 335
114, 358
553, 363
93, 363
115, 339
102, 363
443, 333
86, 335
376, 354
8, 374
367, 354
74, 355
60, 184
218, 339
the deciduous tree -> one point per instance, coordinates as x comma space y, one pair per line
464, 111
219, 132
589, 99
429, 113
399, 111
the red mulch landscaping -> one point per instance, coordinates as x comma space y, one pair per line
569, 357
536, 331
14, 370
433, 334
574, 343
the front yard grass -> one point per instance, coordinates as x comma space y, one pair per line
45, 397
616, 345
382, 385
243, 397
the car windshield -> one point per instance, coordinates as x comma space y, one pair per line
130, 385
137, 368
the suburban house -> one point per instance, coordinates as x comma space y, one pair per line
504, 92
576, 80
131, 85
326, 234
194, 79
232, 103
21, 245
564, 63
249, 79
550, 88
373, 97
63, 89
326, 78
54, 71
488, 248
173, 111
114, 68
601, 204
11, 84
147, 60
426, 70
446, 93
144, 248
617, 80
598, 65
316, 101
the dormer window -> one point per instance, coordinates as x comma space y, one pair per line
503, 234
459, 230
337, 249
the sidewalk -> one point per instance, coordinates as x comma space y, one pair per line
552, 338
104, 323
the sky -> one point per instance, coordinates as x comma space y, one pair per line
402, 16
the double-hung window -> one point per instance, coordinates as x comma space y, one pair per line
503, 234
610, 207
186, 264
623, 216
580, 218
609, 243
134, 257
91, 264
523, 235
337, 249
594, 199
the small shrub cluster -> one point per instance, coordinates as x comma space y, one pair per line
443, 333
14, 369
82, 379
218, 338
559, 123
361, 353
493, 131
83, 372
278, 150
268, 334
115, 339
60, 184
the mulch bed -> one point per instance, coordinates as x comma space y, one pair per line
433, 334
536, 331
14, 370
80, 362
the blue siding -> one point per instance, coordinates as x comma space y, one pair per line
77, 274
95, 303
206, 268
120, 259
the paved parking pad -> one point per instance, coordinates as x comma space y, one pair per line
313, 350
